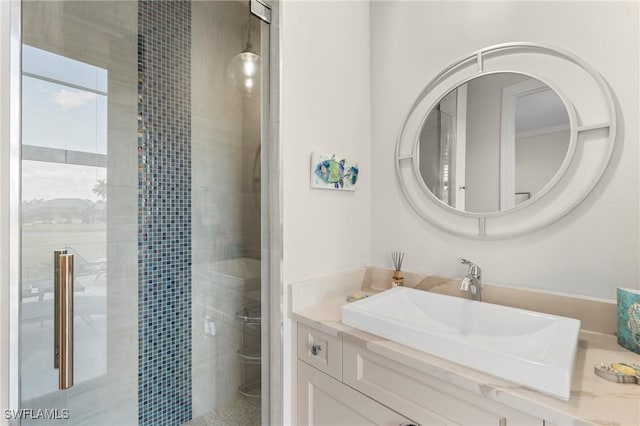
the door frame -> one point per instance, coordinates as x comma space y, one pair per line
10, 79
510, 95
274, 188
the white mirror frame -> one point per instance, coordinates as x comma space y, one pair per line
592, 116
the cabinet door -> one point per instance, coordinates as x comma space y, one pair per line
323, 401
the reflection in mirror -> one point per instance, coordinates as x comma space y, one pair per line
493, 142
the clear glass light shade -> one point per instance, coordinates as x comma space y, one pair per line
244, 72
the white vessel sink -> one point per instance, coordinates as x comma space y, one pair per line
529, 348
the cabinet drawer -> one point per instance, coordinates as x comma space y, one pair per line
320, 350
422, 397
324, 401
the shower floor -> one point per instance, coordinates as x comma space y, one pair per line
243, 411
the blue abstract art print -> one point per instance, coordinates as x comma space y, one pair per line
333, 171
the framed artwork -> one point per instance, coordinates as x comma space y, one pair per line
333, 171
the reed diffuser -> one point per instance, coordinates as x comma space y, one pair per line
397, 279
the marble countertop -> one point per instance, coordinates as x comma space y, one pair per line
593, 399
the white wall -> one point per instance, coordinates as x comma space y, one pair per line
325, 106
592, 250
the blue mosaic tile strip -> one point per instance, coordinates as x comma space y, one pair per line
164, 212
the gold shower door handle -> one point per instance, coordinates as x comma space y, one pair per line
63, 318
56, 307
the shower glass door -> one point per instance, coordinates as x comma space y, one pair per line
142, 157
79, 194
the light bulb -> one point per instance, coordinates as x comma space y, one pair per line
243, 72
248, 68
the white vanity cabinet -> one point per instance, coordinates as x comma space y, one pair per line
342, 383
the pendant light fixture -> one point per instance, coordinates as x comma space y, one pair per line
244, 68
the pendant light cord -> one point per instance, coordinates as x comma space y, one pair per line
249, 45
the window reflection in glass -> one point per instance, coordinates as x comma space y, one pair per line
64, 200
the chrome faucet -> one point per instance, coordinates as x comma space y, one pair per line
472, 281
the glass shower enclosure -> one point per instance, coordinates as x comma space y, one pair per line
143, 227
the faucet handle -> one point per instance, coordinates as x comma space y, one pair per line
474, 269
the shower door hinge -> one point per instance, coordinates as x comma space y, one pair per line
261, 9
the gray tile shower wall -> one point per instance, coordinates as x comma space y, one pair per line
164, 206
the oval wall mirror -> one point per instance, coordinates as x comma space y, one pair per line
500, 116
505, 141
